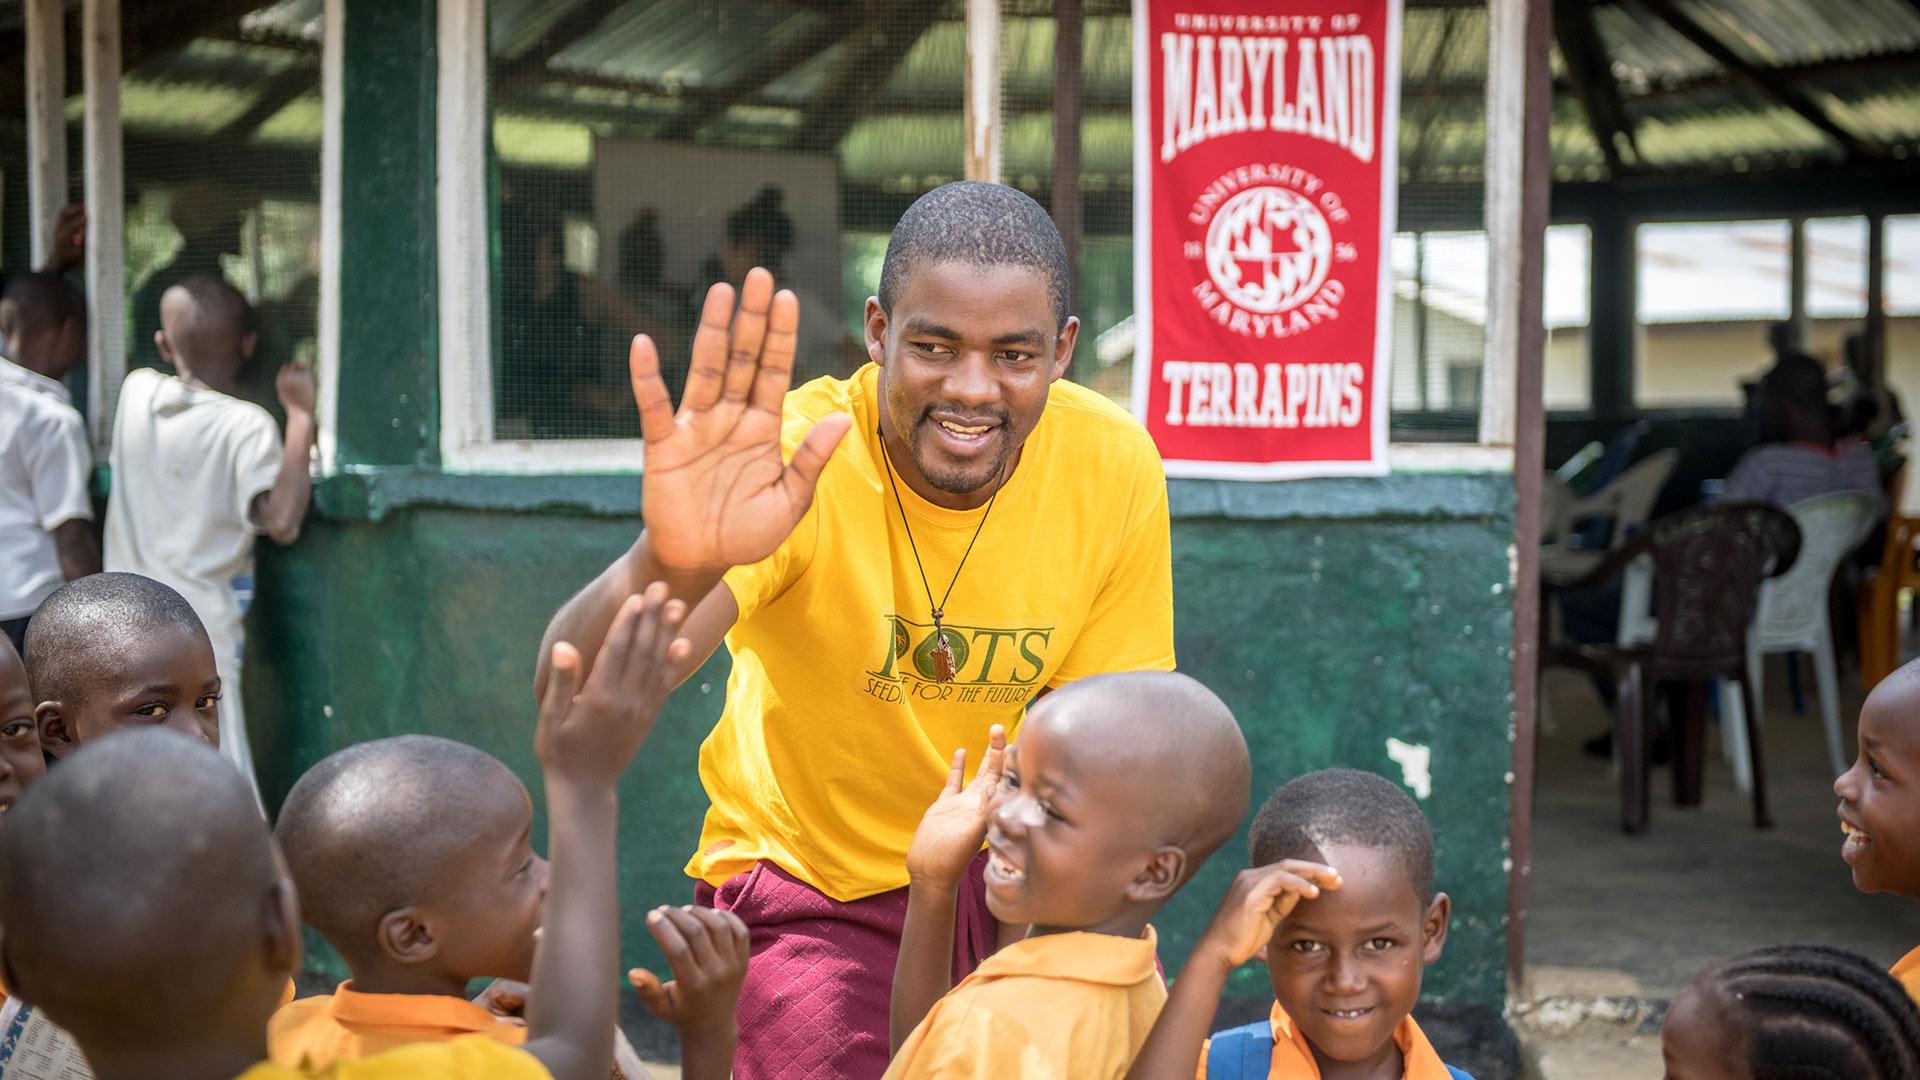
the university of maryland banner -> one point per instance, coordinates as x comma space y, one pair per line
1264, 149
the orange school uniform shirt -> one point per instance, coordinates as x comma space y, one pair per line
1907, 971
834, 729
346, 1025
1076, 1004
1293, 1056
470, 1057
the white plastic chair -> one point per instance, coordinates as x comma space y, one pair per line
1792, 616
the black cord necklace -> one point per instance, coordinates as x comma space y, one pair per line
942, 653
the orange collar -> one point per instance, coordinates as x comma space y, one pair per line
436, 1014
1080, 956
1909, 964
1422, 1061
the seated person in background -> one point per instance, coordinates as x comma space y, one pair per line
1806, 462
413, 858
198, 472
1341, 900
217, 926
1880, 800
1792, 1011
116, 651
1119, 789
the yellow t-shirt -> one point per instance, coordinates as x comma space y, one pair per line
835, 736
1907, 971
1059, 1005
313, 1033
470, 1057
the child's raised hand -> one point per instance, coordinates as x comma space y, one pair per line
589, 733
295, 387
708, 951
1259, 899
954, 827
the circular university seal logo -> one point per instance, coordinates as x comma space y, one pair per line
1268, 249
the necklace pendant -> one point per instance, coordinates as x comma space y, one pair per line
942, 656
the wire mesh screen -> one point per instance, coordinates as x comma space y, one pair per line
646, 149
220, 112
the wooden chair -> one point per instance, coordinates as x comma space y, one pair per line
1880, 608
1708, 564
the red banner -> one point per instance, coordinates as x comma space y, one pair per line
1264, 149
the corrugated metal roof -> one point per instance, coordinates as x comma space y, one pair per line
631, 68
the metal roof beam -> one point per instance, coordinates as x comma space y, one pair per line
1901, 61
768, 69
1762, 82
1591, 74
877, 47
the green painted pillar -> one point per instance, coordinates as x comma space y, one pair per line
389, 410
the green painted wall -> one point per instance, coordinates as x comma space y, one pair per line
1331, 615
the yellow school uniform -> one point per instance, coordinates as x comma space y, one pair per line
1075, 1004
834, 729
1293, 1056
470, 1057
1907, 971
315, 1032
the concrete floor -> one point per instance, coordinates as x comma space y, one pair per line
1620, 923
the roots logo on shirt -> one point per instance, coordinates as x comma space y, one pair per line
992, 664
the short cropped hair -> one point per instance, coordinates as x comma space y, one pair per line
372, 828
37, 301
981, 224
89, 619
1344, 806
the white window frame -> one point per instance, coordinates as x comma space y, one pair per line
467, 439
105, 194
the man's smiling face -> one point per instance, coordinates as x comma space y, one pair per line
966, 358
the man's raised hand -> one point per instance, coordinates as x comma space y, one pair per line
717, 493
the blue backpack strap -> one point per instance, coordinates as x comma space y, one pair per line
1242, 1053
1459, 1074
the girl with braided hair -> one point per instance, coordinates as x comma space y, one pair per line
1793, 1012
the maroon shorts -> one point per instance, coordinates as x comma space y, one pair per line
814, 1006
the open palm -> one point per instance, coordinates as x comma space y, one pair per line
955, 825
717, 492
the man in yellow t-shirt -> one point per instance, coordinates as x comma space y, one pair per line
983, 533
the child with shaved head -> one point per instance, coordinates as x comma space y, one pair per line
120, 650
21, 761
1340, 898
198, 473
1119, 788
413, 858
181, 886
1880, 800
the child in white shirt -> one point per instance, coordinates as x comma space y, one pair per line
198, 473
